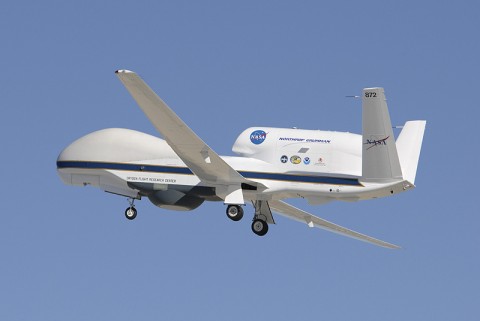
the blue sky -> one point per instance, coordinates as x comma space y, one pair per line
69, 254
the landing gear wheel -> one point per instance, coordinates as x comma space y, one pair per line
259, 227
235, 212
131, 213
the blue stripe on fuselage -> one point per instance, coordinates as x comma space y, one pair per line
301, 178
187, 171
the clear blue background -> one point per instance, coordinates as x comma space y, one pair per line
68, 253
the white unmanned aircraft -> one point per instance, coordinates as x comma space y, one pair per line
182, 171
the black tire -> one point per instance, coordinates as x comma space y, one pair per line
234, 212
259, 227
131, 213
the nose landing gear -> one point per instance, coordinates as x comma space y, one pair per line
131, 211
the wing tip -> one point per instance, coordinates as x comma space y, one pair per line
395, 247
124, 71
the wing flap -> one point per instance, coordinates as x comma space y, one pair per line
299, 215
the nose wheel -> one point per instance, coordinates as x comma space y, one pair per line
131, 211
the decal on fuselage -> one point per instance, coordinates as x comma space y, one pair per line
257, 137
295, 159
150, 179
306, 140
320, 162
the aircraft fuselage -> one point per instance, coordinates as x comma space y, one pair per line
135, 164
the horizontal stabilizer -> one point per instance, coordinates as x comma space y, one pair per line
409, 144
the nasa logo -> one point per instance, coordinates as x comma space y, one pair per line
295, 159
306, 160
258, 136
376, 142
284, 159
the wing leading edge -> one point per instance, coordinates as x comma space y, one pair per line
299, 215
195, 153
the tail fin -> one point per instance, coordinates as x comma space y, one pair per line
380, 161
409, 144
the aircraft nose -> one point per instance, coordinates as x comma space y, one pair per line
63, 156
62, 169
72, 158
87, 148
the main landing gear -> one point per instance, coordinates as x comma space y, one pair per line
259, 224
131, 211
259, 227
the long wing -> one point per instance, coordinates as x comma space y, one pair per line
194, 152
311, 220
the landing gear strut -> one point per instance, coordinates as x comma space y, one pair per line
235, 212
263, 216
131, 211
